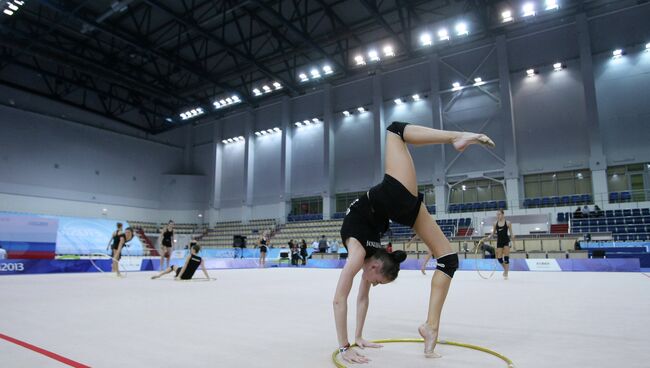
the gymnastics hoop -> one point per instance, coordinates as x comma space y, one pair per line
509, 362
494, 268
106, 256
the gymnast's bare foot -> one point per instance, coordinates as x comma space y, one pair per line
465, 139
430, 336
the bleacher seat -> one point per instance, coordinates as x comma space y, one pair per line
636, 212
585, 198
645, 211
627, 212
565, 200
560, 217
613, 197
625, 196
618, 213
502, 205
492, 206
609, 213
536, 202
527, 203
546, 201
575, 199
555, 201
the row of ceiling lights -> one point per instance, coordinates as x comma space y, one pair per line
11, 7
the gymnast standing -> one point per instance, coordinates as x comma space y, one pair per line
503, 229
166, 241
263, 242
395, 198
115, 237
116, 255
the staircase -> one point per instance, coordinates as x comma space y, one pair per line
465, 231
148, 246
559, 228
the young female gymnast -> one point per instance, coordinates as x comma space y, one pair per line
263, 242
395, 198
192, 262
117, 249
166, 240
503, 229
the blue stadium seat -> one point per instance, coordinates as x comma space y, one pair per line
611, 221
527, 203
622, 238
585, 198
560, 217
536, 202
625, 196
636, 212
618, 213
629, 220
546, 201
555, 201
640, 229
638, 220
593, 222
609, 213
646, 220
619, 221
502, 205
492, 205
566, 200
613, 197
602, 229
645, 211
575, 199
593, 229
627, 213
620, 229
611, 229
602, 222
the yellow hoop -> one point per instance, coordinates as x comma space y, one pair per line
509, 362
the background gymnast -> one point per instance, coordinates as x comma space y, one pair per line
116, 254
192, 262
166, 242
395, 198
503, 229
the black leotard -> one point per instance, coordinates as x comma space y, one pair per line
502, 235
192, 265
116, 241
167, 238
263, 248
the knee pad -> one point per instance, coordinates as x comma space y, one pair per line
506, 260
448, 264
500, 260
397, 127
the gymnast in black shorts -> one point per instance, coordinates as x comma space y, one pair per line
396, 199
192, 262
505, 238
166, 239
263, 243
119, 241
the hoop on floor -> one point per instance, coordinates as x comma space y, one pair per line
494, 262
92, 257
509, 362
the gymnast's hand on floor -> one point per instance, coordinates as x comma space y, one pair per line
363, 343
352, 356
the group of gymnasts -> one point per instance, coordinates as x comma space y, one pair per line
394, 199
166, 240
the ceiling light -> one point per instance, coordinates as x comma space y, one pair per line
266, 88
297, 123
359, 60
306, 122
461, 29
388, 51
463, 187
217, 104
228, 100
529, 9
303, 77
235, 98
551, 5
276, 129
455, 86
647, 46
327, 70
416, 97
315, 120
506, 16
315, 73
258, 134
478, 81
443, 35
372, 54
530, 72
398, 101
425, 39
8, 12
257, 92
617, 53
277, 85
361, 109
230, 140
557, 67
12, 6
346, 113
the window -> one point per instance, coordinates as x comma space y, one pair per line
557, 184
634, 178
480, 190
306, 206
344, 200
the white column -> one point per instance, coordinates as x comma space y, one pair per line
249, 165
439, 159
285, 167
379, 126
328, 195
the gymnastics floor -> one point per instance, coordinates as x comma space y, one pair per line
282, 317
